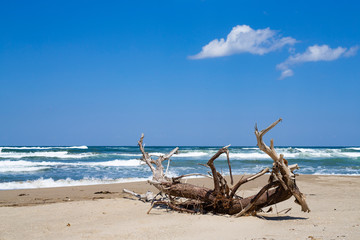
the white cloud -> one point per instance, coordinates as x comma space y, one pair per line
314, 54
244, 39
286, 73
351, 52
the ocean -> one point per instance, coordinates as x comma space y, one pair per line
25, 167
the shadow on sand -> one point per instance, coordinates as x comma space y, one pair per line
280, 218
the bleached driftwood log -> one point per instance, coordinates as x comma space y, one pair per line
148, 196
281, 170
223, 198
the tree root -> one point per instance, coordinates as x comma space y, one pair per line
222, 199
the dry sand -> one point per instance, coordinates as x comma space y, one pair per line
79, 213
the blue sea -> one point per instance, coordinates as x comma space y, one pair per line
36, 167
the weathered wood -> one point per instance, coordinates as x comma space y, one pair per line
190, 175
210, 163
242, 181
158, 169
148, 196
286, 174
222, 198
256, 197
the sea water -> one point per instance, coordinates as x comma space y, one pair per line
36, 167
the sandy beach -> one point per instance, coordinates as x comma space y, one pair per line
254, 103
104, 212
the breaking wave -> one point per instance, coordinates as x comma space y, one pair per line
42, 148
290, 153
49, 182
191, 154
29, 166
354, 148
63, 166
59, 154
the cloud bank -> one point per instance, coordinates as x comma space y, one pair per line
314, 53
244, 39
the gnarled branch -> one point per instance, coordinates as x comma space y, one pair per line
222, 198
287, 177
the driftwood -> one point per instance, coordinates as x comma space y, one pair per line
147, 197
223, 198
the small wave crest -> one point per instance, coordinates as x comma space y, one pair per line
247, 156
23, 166
49, 182
354, 148
23, 169
256, 154
129, 154
116, 163
300, 153
29, 166
59, 154
44, 148
191, 154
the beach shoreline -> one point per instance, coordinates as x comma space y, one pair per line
48, 195
105, 212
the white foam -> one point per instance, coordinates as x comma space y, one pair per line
41, 148
249, 156
28, 166
190, 154
256, 154
351, 154
49, 182
291, 153
59, 154
302, 153
116, 163
24, 166
326, 153
354, 148
22, 169
349, 172
78, 147
129, 154
26, 163
157, 154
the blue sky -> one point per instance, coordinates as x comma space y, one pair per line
101, 73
